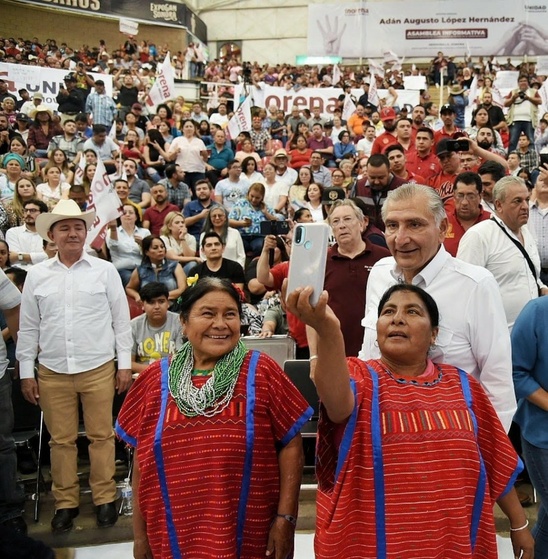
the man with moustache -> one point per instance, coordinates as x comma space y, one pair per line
196, 211
423, 161
505, 246
417, 117
496, 116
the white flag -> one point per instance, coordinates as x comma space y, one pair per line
336, 74
390, 56
349, 108
473, 90
112, 133
164, 86
79, 171
241, 121
104, 200
373, 95
375, 68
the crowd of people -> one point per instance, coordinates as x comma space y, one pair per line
449, 217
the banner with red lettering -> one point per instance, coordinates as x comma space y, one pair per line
163, 88
241, 121
104, 200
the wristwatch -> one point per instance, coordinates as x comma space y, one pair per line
20, 257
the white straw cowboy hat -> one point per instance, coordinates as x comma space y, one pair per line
65, 209
41, 109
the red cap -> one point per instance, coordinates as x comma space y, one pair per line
388, 113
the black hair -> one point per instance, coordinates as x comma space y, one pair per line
246, 161
99, 129
81, 117
378, 160
426, 298
2, 241
204, 286
170, 170
469, 178
203, 181
212, 234
394, 147
146, 244
429, 131
299, 213
41, 205
496, 170
153, 290
19, 275
166, 107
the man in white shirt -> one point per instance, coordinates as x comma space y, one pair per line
75, 319
366, 143
105, 147
473, 334
228, 191
220, 118
505, 246
26, 245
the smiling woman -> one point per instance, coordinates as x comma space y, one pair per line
217, 439
393, 428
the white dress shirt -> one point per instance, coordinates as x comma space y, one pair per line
22, 240
490, 247
74, 319
472, 334
9, 298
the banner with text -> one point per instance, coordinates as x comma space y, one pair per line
308, 98
421, 29
42, 80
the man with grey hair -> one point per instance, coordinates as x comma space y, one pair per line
505, 246
472, 334
349, 262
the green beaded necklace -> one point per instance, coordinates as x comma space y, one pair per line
214, 396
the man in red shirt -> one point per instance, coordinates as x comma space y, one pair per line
468, 210
448, 130
396, 156
443, 182
153, 219
423, 161
404, 135
417, 117
388, 137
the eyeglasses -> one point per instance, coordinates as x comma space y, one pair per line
470, 196
30, 211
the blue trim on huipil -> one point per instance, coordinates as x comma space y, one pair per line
158, 454
297, 426
482, 480
124, 436
346, 442
378, 467
250, 439
510, 484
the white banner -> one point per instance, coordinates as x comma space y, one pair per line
323, 97
129, 27
104, 200
163, 88
241, 120
42, 80
420, 29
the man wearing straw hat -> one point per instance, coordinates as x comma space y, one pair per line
75, 319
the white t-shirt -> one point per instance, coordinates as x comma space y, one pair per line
189, 158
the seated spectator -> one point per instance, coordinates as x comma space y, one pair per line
320, 143
131, 147
274, 321
25, 190
215, 265
249, 169
105, 148
276, 191
205, 132
58, 158
313, 202
53, 189
247, 215
177, 190
232, 189
300, 155
42, 130
157, 333
124, 241
217, 221
13, 166
154, 152
298, 190
155, 267
153, 218
344, 149
337, 128
247, 150
180, 244
221, 155
89, 173
320, 173
18, 146
303, 215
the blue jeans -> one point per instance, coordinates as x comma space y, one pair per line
516, 129
253, 244
536, 460
12, 498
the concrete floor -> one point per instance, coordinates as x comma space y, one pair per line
86, 533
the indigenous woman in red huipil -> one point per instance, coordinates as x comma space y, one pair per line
411, 455
219, 457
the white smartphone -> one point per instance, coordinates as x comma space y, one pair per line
308, 258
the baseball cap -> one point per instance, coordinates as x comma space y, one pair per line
38, 95
388, 113
331, 194
447, 108
441, 146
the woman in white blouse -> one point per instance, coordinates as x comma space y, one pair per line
217, 221
313, 198
180, 244
190, 153
124, 242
